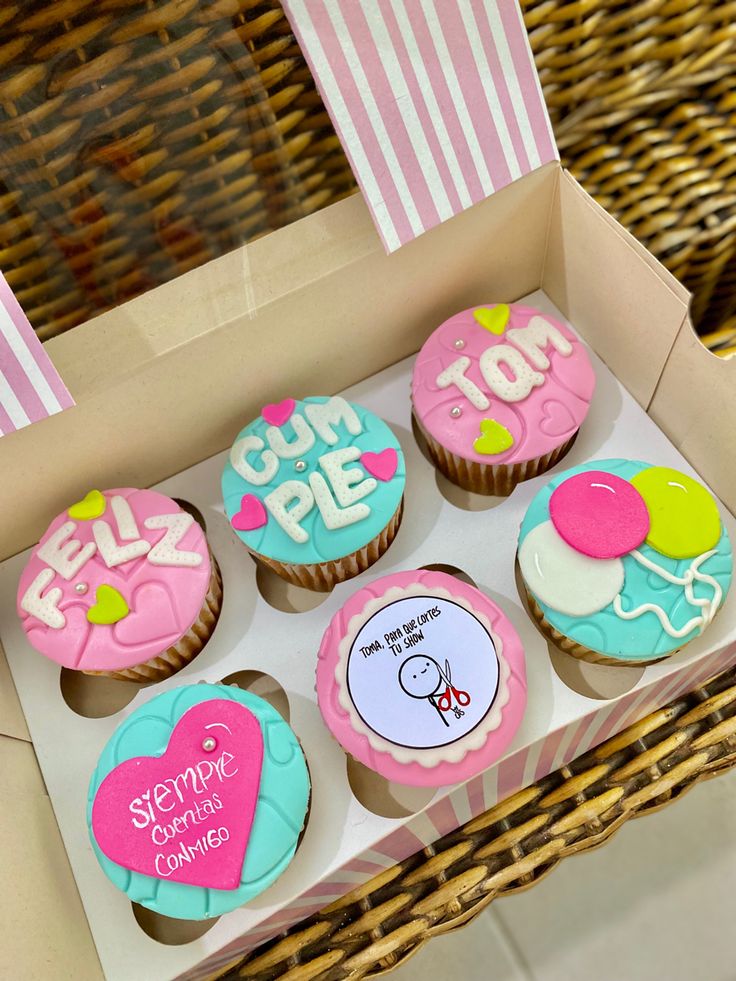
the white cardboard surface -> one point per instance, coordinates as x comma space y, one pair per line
253, 635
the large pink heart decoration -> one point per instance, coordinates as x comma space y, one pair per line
186, 816
277, 413
381, 465
252, 514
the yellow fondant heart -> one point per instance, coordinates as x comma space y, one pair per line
494, 438
109, 606
493, 319
91, 506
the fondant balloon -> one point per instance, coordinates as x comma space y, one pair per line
599, 514
567, 580
684, 519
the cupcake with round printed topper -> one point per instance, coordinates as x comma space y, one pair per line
624, 562
121, 584
421, 677
198, 801
314, 489
499, 393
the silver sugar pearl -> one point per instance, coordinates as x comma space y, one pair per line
456, 412
459, 343
300, 466
81, 587
209, 743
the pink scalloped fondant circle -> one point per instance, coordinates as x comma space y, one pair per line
538, 424
599, 514
357, 744
163, 601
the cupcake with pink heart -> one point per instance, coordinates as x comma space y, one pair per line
121, 584
198, 801
315, 489
499, 393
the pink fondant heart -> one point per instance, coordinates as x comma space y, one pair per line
557, 420
277, 413
381, 465
152, 616
252, 514
186, 816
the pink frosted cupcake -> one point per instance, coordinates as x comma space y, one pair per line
122, 584
421, 678
499, 393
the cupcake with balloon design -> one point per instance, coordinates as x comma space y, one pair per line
624, 562
121, 584
499, 393
315, 489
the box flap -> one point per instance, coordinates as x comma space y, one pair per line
437, 103
46, 933
12, 721
694, 404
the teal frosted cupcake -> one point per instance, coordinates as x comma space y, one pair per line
624, 562
198, 801
315, 489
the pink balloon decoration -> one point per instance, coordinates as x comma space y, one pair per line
599, 514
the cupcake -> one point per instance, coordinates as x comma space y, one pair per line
421, 678
198, 801
624, 562
315, 489
122, 584
499, 393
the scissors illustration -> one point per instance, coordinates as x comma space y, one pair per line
462, 698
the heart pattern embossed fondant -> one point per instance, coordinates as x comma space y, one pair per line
186, 816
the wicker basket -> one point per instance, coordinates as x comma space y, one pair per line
141, 138
512, 846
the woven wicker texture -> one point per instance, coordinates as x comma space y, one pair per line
510, 847
141, 138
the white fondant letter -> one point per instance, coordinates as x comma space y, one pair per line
278, 502
324, 415
66, 557
112, 553
297, 447
524, 380
333, 516
349, 486
455, 375
127, 528
239, 460
537, 335
165, 552
44, 607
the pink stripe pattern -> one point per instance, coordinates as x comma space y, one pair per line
436, 102
30, 388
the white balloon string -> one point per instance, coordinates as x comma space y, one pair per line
708, 607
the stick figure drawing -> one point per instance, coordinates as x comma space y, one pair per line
420, 676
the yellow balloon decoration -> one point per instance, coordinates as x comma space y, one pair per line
684, 517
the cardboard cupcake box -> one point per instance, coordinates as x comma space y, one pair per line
162, 386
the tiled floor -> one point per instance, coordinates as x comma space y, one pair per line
657, 903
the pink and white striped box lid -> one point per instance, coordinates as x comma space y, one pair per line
30, 387
437, 103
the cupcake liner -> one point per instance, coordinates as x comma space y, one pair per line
324, 576
495, 479
186, 649
569, 646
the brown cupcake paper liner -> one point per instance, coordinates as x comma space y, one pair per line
324, 576
186, 649
496, 479
569, 646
